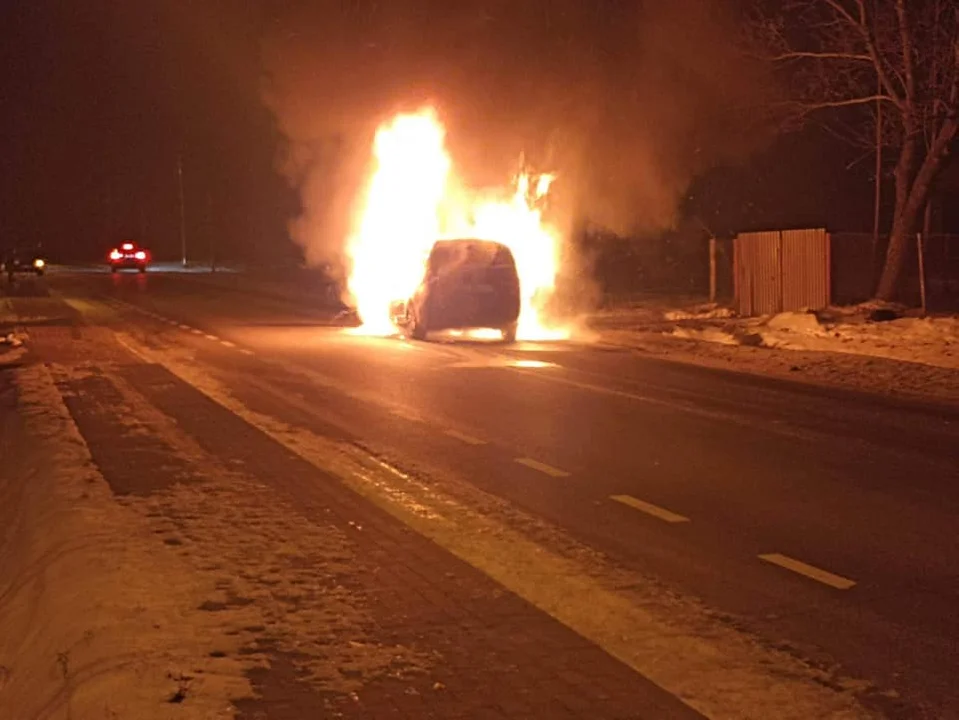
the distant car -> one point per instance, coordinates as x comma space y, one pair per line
129, 255
17, 260
467, 284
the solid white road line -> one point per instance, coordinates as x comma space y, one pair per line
650, 509
468, 439
542, 467
810, 571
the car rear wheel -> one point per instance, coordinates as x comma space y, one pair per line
509, 333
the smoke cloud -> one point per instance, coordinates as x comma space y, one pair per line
625, 100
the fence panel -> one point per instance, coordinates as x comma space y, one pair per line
805, 269
758, 273
782, 270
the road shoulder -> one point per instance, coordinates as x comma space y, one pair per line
874, 375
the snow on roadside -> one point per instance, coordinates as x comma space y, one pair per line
13, 340
671, 640
869, 330
272, 566
96, 620
929, 341
824, 366
849, 330
706, 311
709, 334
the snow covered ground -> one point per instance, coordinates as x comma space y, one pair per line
925, 340
11, 337
94, 621
867, 347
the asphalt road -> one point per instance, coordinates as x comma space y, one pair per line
823, 521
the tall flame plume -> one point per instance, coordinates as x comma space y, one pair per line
414, 198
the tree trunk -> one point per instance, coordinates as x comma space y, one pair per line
902, 224
895, 258
912, 194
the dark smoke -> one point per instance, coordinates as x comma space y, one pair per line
627, 101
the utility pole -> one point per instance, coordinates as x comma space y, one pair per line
143, 223
712, 269
108, 210
179, 173
211, 229
877, 195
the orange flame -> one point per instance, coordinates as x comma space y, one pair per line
413, 199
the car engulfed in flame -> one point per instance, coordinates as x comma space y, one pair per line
468, 284
413, 204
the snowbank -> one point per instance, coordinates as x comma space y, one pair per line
714, 335
13, 340
930, 341
871, 347
97, 620
707, 311
861, 330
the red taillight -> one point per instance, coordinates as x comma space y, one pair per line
141, 255
127, 246
115, 254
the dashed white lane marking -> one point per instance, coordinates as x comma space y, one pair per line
542, 467
810, 571
463, 437
650, 509
182, 326
408, 416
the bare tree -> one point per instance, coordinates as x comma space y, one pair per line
851, 62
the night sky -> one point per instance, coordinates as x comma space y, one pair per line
99, 99
632, 104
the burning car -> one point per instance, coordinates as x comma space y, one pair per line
467, 284
413, 197
129, 255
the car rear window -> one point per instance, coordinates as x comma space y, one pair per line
463, 254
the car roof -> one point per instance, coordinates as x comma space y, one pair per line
445, 242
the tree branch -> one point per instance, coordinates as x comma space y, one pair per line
954, 90
821, 56
861, 26
849, 102
846, 15
908, 60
